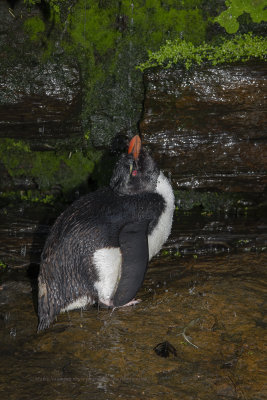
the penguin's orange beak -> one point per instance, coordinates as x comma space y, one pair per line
135, 146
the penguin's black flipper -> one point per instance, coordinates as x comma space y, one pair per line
134, 250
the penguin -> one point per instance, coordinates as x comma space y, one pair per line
98, 249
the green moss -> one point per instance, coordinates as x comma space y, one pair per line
36, 197
209, 202
17, 145
8, 195
165, 253
97, 28
87, 135
31, 3
229, 18
95, 31
108, 39
34, 27
54, 4
154, 21
33, 196
48, 168
3, 266
238, 48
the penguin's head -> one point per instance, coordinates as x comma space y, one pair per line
135, 172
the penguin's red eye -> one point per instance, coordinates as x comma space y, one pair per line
134, 173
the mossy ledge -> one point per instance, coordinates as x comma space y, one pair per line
45, 169
225, 50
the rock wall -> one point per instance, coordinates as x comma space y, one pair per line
69, 82
208, 127
44, 152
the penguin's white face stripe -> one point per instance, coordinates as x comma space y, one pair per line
162, 230
108, 262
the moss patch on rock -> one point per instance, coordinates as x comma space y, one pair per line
34, 27
46, 169
209, 202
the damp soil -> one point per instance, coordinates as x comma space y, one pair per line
210, 309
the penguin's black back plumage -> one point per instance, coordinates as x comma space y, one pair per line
98, 248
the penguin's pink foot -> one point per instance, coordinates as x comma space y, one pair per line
132, 303
109, 303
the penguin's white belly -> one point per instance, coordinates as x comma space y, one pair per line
107, 262
160, 233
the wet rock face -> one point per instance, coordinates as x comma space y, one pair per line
23, 230
208, 127
42, 145
40, 103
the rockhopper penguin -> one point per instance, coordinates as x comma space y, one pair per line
98, 249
